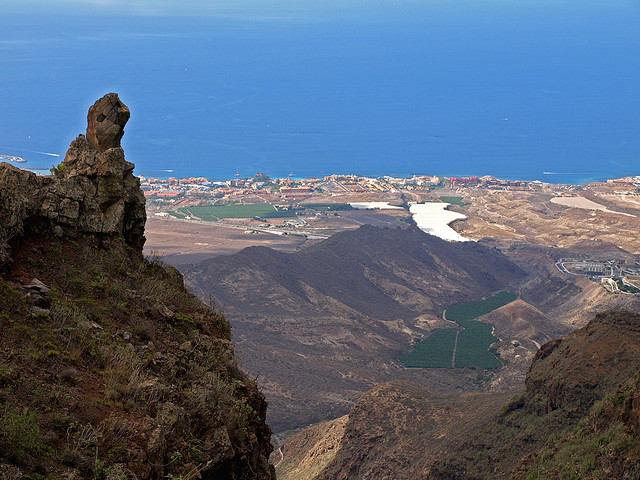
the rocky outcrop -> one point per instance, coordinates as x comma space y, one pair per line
134, 377
105, 122
92, 191
573, 372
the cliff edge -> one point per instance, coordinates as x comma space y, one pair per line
92, 191
109, 368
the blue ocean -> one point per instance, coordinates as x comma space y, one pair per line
519, 89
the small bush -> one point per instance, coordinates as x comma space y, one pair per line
19, 435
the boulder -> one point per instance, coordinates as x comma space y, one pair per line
105, 122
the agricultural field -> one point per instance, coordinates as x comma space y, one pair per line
454, 201
470, 310
474, 339
216, 212
432, 352
473, 347
328, 206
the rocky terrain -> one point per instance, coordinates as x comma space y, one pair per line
577, 418
532, 217
92, 191
109, 368
322, 326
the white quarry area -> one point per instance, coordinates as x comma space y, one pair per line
434, 219
373, 205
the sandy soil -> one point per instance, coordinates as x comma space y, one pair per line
534, 217
182, 242
581, 202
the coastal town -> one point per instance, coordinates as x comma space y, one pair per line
309, 207
289, 189
615, 275
290, 213
300, 189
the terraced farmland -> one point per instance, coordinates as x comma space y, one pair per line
474, 338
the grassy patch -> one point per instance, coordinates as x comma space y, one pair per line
217, 212
328, 206
454, 201
19, 435
179, 215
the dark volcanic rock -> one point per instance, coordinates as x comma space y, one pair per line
93, 189
105, 122
149, 371
573, 372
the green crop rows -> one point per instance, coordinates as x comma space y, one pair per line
216, 212
473, 346
471, 310
454, 201
433, 352
474, 338
328, 206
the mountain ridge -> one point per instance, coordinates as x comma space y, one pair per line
323, 325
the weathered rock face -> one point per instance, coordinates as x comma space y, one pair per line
92, 191
573, 372
105, 122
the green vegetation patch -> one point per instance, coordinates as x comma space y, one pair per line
328, 206
20, 435
473, 347
625, 287
454, 201
179, 215
216, 212
11, 299
470, 310
432, 352
436, 351
587, 453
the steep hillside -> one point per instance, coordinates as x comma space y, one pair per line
322, 326
393, 431
109, 369
578, 418
567, 377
